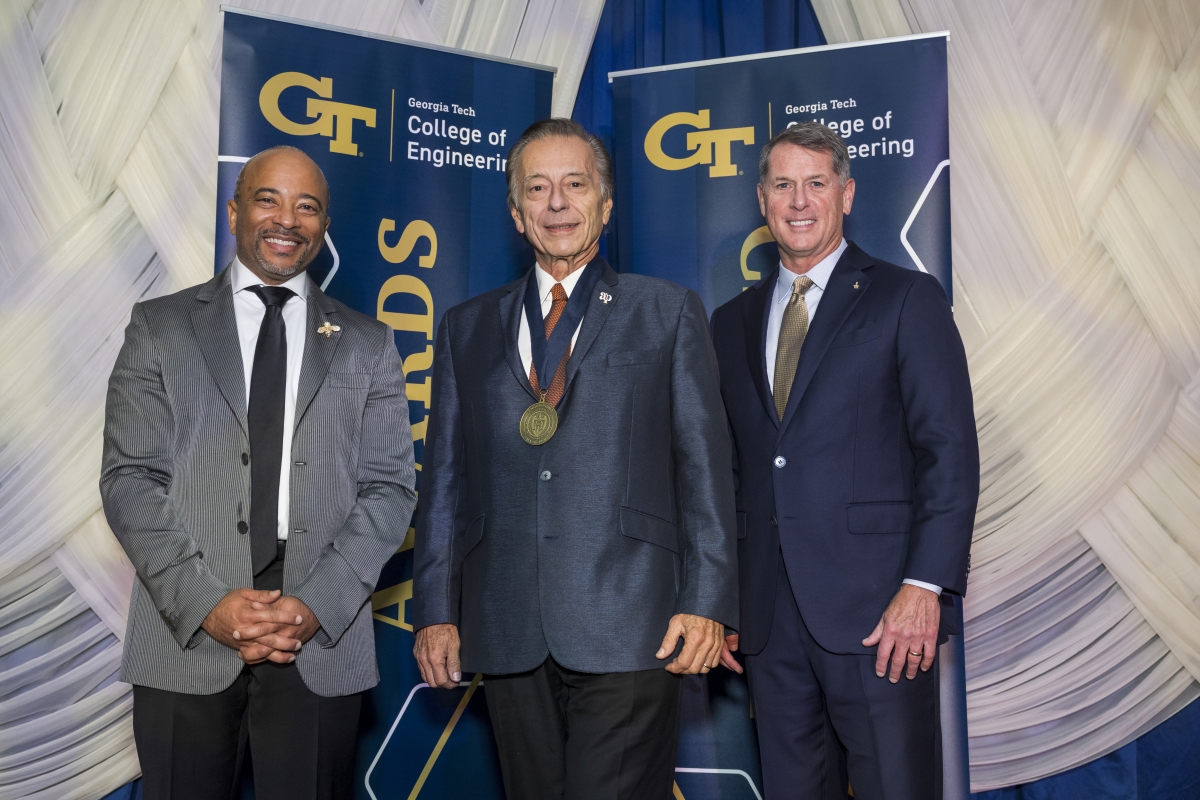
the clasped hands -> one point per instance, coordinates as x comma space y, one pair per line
906, 635
437, 649
261, 625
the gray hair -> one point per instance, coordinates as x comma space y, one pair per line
544, 129
237, 187
811, 136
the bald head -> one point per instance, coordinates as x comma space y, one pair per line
279, 150
279, 213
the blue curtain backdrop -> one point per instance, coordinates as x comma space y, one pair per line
649, 33
1163, 764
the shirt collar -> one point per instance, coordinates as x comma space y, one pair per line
819, 274
545, 281
242, 278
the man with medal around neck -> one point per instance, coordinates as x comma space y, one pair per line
583, 573
858, 475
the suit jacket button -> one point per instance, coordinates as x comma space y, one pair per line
243, 527
545, 475
774, 522
780, 462
245, 459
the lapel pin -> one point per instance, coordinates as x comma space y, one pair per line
328, 329
856, 284
605, 298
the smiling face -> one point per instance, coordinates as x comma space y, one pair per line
562, 209
279, 219
804, 201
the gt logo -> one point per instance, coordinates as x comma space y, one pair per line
330, 117
707, 147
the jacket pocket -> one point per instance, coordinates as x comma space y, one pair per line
648, 528
741, 518
465, 541
349, 380
628, 358
879, 517
856, 336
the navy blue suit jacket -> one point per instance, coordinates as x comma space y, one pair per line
873, 475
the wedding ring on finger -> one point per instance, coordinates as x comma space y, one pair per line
916, 653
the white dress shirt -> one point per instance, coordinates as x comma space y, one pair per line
248, 310
783, 292
545, 285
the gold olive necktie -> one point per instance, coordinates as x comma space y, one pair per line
792, 331
558, 382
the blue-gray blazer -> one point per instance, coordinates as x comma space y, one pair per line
584, 547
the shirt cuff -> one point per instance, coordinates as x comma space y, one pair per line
933, 587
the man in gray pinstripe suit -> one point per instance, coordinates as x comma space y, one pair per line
258, 470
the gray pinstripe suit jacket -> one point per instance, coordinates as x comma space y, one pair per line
175, 485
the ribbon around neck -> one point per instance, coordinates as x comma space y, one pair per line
547, 353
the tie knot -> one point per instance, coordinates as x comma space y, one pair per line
558, 293
801, 285
273, 295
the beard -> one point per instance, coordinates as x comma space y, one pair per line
307, 253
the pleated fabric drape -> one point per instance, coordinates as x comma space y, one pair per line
108, 145
1075, 147
1075, 184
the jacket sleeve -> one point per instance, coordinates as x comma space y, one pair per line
716, 318
134, 479
344, 576
703, 472
436, 578
935, 389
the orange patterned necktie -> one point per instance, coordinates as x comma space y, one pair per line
559, 382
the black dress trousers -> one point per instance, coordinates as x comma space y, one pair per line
301, 745
567, 735
814, 708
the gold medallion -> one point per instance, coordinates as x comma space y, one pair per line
538, 423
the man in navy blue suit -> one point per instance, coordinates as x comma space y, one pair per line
857, 469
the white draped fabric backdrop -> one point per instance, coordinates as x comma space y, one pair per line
1075, 144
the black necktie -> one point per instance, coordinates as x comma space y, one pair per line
268, 386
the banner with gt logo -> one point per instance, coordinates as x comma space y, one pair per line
688, 136
413, 142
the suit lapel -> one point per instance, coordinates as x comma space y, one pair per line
847, 284
318, 349
593, 320
216, 332
512, 306
754, 316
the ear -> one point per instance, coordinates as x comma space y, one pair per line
516, 215
848, 196
762, 201
231, 211
606, 212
